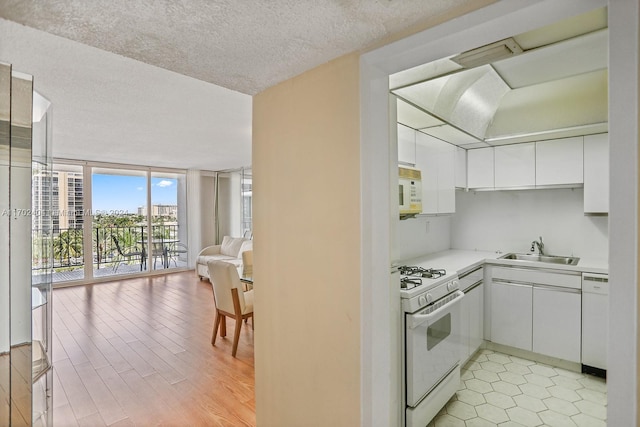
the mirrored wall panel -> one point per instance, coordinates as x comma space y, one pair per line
5, 307
25, 235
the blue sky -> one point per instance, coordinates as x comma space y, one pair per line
119, 192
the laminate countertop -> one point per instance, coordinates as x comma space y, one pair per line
462, 261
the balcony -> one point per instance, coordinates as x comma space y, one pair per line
68, 252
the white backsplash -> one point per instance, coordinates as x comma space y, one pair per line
509, 221
423, 235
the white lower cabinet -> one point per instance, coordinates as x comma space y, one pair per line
537, 310
476, 318
471, 322
557, 322
464, 330
512, 314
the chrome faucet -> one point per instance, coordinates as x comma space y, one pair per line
540, 246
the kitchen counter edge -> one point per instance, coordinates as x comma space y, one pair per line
463, 261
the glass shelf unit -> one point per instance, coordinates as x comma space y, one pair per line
42, 205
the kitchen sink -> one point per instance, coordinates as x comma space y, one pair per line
553, 259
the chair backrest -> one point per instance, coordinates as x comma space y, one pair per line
115, 240
157, 247
180, 247
231, 246
247, 263
224, 278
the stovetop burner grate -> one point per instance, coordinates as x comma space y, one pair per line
410, 282
428, 273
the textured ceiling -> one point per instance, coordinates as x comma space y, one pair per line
243, 45
168, 82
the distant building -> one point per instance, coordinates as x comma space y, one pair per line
160, 210
59, 194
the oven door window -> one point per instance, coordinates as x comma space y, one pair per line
438, 331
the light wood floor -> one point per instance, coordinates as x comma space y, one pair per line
138, 352
20, 378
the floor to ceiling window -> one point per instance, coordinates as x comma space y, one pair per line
168, 215
247, 199
61, 193
102, 217
118, 201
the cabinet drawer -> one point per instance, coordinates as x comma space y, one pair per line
469, 279
539, 276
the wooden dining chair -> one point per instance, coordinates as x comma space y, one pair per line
229, 299
247, 268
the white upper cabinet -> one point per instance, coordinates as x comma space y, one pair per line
559, 161
596, 173
515, 165
446, 177
480, 168
406, 145
436, 161
461, 168
426, 161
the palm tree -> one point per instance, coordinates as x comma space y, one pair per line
101, 243
67, 246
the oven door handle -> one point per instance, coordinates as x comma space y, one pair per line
416, 320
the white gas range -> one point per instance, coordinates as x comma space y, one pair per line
430, 332
420, 286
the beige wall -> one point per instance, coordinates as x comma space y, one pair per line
307, 248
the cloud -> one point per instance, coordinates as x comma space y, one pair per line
165, 183
139, 188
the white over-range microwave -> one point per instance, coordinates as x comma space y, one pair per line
410, 191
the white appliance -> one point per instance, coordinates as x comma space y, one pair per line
410, 191
431, 303
595, 322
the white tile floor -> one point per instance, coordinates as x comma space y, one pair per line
502, 390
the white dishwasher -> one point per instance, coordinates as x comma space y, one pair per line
595, 323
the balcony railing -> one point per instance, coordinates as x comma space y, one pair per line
68, 248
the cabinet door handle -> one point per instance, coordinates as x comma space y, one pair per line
557, 289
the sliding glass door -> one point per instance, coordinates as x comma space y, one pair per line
62, 194
119, 221
168, 220
103, 217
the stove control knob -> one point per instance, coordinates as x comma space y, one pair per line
450, 286
422, 300
429, 298
455, 285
